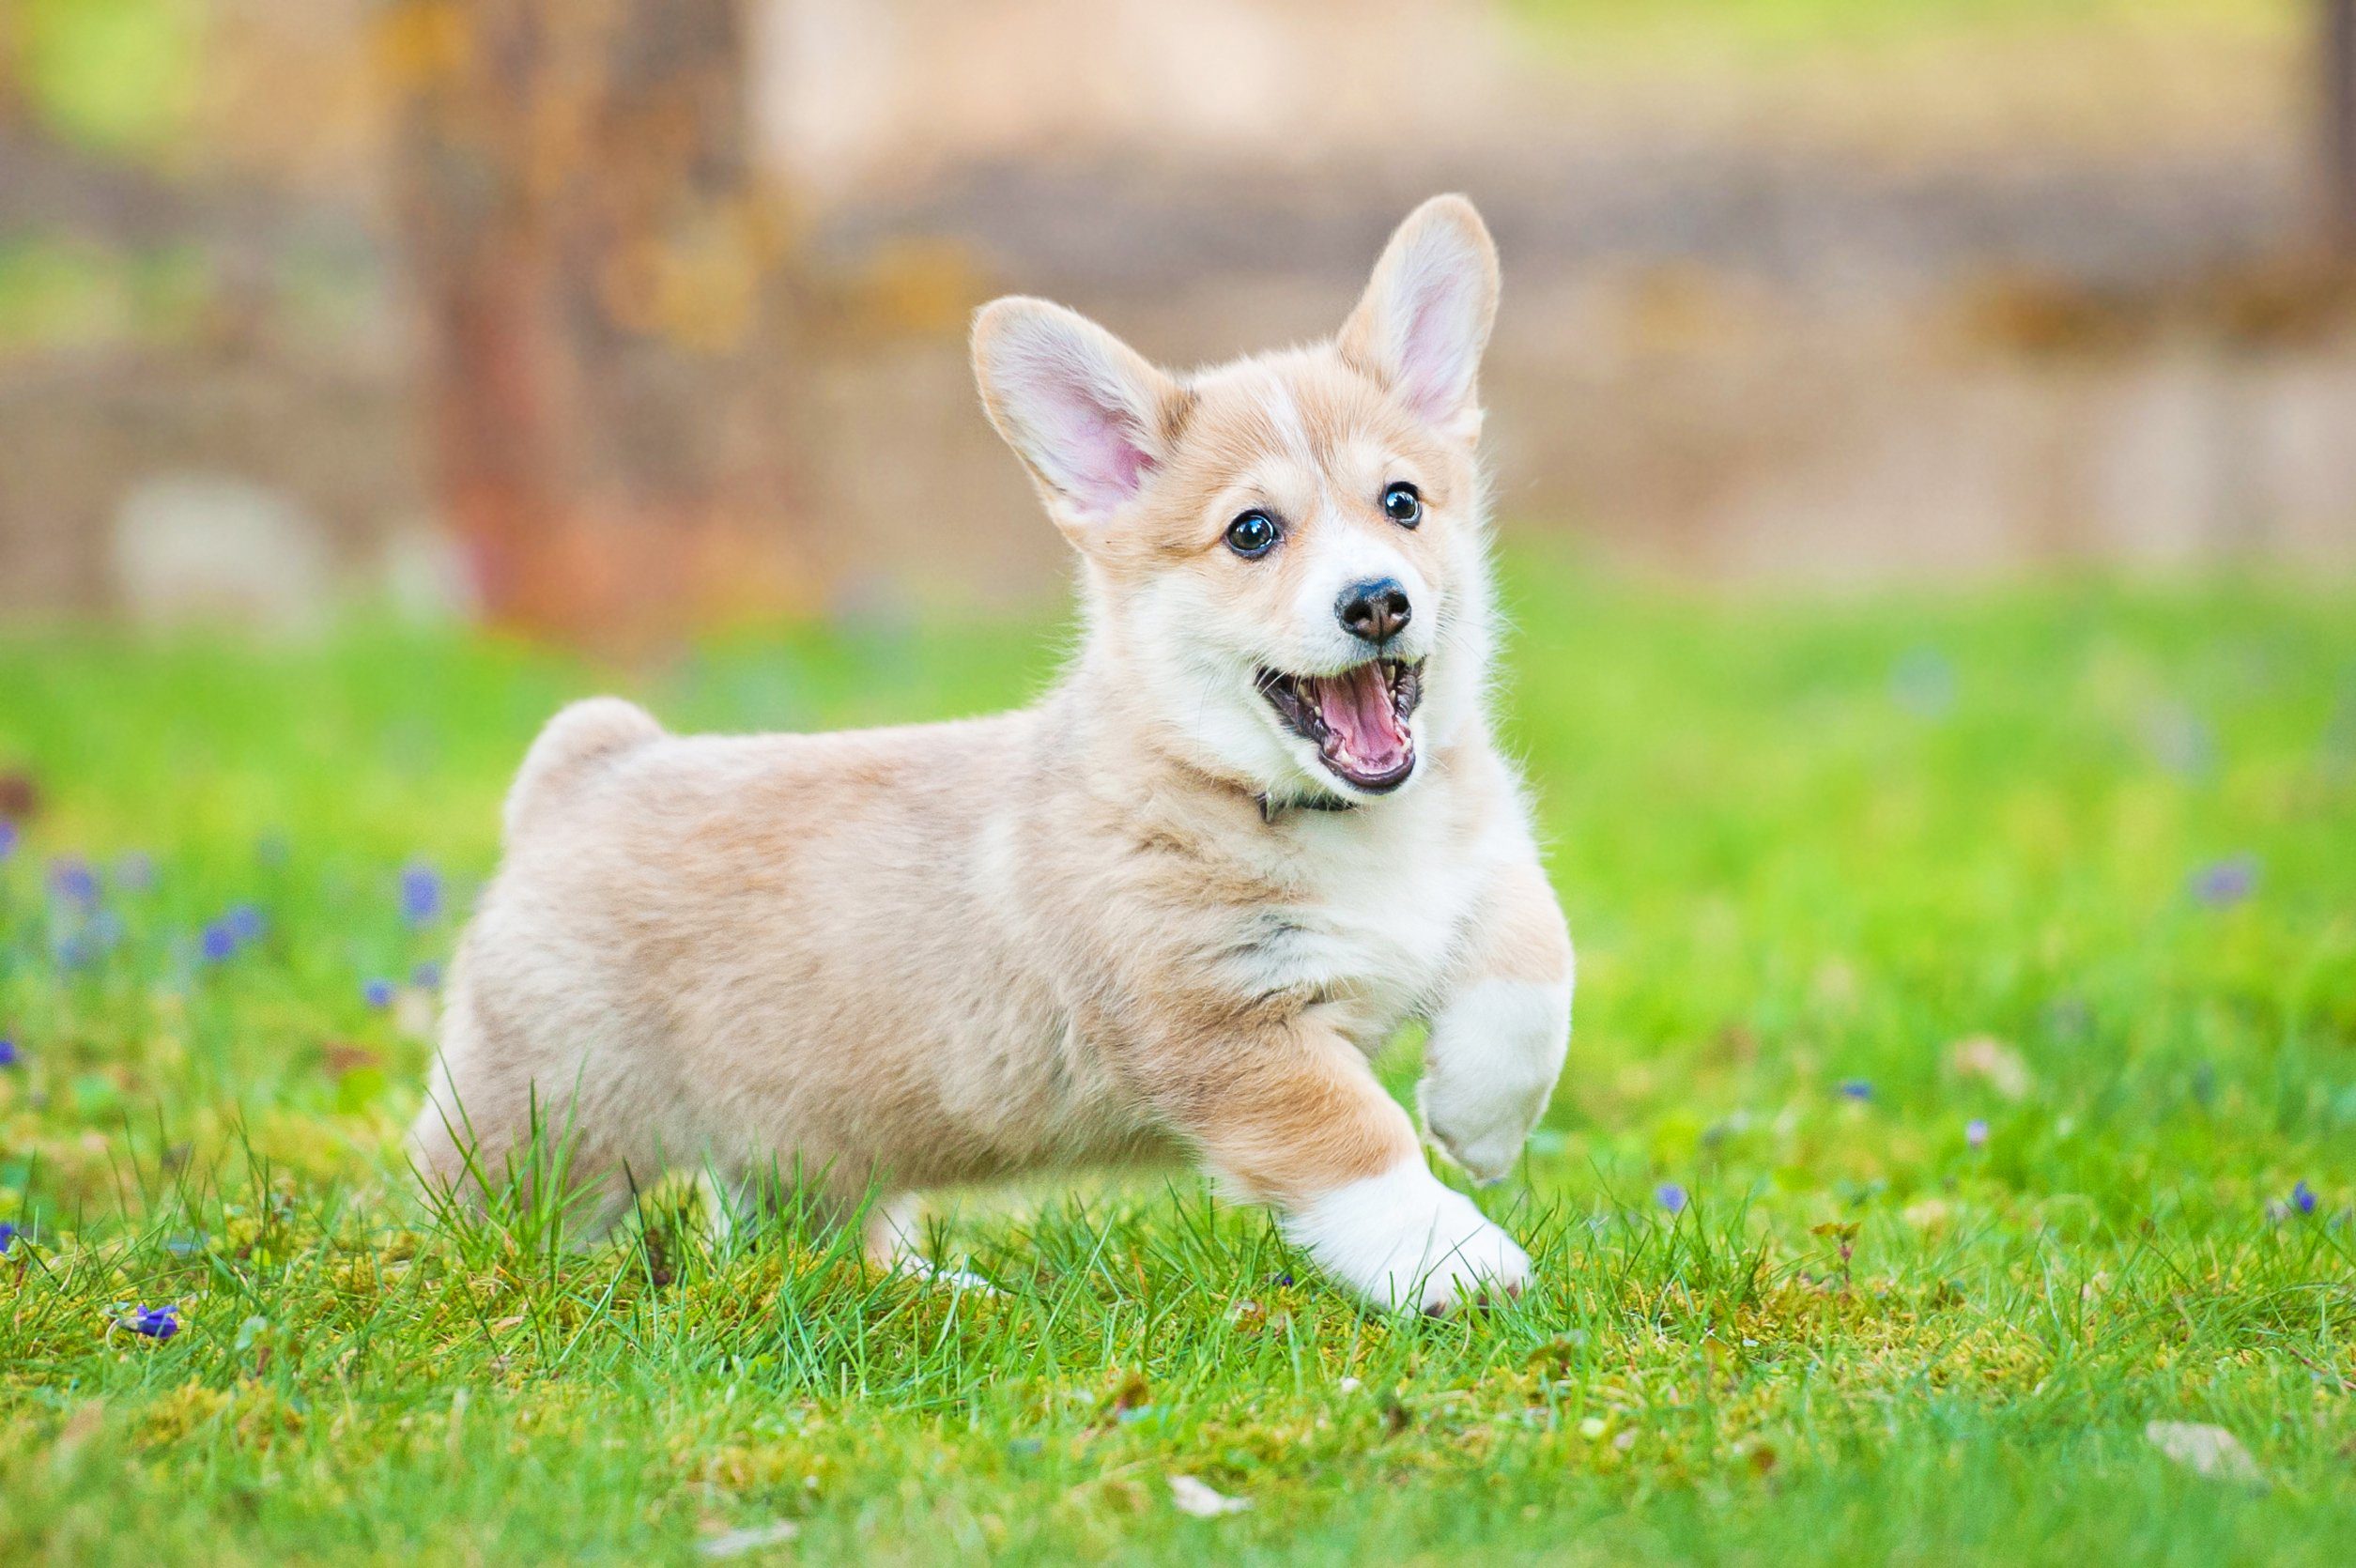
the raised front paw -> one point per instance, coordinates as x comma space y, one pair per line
1493, 1058
1405, 1242
1484, 1131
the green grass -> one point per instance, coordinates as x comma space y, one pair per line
1800, 846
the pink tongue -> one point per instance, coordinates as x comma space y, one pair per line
1364, 726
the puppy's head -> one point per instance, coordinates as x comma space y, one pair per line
1285, 554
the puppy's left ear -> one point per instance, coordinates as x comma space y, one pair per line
1426, 314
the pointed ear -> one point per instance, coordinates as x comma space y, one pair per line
1088, 417
1426, 314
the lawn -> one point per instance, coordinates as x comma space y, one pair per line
1964, 1078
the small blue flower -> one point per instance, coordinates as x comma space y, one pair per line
7, 1237
8, 838
154, 1322
1856, 1088
219, 943
420, 893
71, 879
377, 994
1671, 1196
2224, 884
8, 1054
245, 924
427, 976
1976, 1133
2302, 1198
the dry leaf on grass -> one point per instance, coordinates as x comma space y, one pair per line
2205, 1449
737, 1543
1193, 1496
1989, 1059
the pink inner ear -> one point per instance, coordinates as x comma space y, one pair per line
1110, 462
1083, 435
1435, 351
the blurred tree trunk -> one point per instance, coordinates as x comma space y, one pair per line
2337, 57
11, 71
598, 269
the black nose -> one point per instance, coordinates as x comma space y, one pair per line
1374, 611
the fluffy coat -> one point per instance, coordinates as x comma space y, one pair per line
1154, 916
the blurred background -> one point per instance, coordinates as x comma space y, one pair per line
613, 320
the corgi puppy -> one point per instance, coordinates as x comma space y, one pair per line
1170, 912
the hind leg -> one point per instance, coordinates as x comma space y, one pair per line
488, 1135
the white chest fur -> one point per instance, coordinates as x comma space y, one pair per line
1385, 896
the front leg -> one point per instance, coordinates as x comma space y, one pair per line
1290, 1114
1499, 1037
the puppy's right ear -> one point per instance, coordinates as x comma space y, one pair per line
1090, 418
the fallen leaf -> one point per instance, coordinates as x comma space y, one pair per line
20, 797
341, 1056
737, 1543
2204, 1448
1193, 1496
1988, 1058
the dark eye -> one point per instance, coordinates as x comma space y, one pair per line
1252, 535
1403, 504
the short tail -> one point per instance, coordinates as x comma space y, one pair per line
582, 736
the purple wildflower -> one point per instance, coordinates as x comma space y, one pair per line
2224, 884
1856, 1088
7, 1237
219, 943
8, 1054
1671, 1196
420, 893
154, 1322
427, 976
2302, 1198
377, 994
8, 838
1976, 1133
245, 924
71, 879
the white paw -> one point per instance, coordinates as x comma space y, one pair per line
1495, 1054
895, 1242
956, 1281
1485, 1137
1405, 1242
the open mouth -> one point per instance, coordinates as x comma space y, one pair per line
1357, 720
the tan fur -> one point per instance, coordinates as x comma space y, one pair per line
1089, 933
